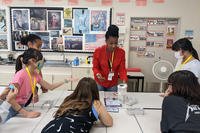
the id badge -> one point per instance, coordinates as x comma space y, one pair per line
110, 75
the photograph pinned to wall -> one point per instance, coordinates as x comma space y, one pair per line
169, 43
155, 33
73, 43
150, 43
133, 48
54, 44
153, 21
92, 41
3, 28
54, 33
172, 21
189, 34
68, 13
54, 20
3, 42
17, 35
134, 38
38, 19
170, 30
121, 42
159, 43
20, 19
67, 23
67, 31
120, 19
45, 39
81, 20
19, 46
60, 43
99, 20
141, 50
149, 54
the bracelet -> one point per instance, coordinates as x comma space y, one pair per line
19, 109
66, 81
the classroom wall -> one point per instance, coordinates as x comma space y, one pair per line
186, 10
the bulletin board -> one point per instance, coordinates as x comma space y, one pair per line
61, 29
150, 33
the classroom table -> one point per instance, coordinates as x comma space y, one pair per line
122, 122
150, 121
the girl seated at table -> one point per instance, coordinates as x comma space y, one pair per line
25, 81
181, 107
79, 110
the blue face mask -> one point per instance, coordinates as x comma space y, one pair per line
40, 64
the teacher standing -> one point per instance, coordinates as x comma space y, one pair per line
109, 62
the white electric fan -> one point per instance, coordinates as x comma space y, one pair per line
161, 70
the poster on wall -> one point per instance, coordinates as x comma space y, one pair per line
3, 28
67, 23
73, 43
120, 19
99, 20
38, 19
81, 20
92, 41
68, 13
3, 42
54, 20
20, 19
189, 34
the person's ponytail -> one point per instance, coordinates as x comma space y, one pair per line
195, 54
18, 65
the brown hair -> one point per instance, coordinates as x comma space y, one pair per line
185, 84
81, 99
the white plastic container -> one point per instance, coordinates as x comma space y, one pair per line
122, 90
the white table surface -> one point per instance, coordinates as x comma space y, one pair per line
147, 100
136, 74
123, 123
150, 121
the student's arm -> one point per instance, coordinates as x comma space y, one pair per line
19, 108
53, 86
122, 68
4, 93
49, 86
104, 116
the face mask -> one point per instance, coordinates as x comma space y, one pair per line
178, 55
40, 64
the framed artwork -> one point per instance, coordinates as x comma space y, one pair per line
3, 28
38, 19
68, 13
99, 20
81, 20
92, 41
54, 20
73, 43
20, 19
3, 42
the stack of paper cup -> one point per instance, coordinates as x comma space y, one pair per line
122, 92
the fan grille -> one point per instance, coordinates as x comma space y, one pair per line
162, 69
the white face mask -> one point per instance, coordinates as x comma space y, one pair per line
178, 55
